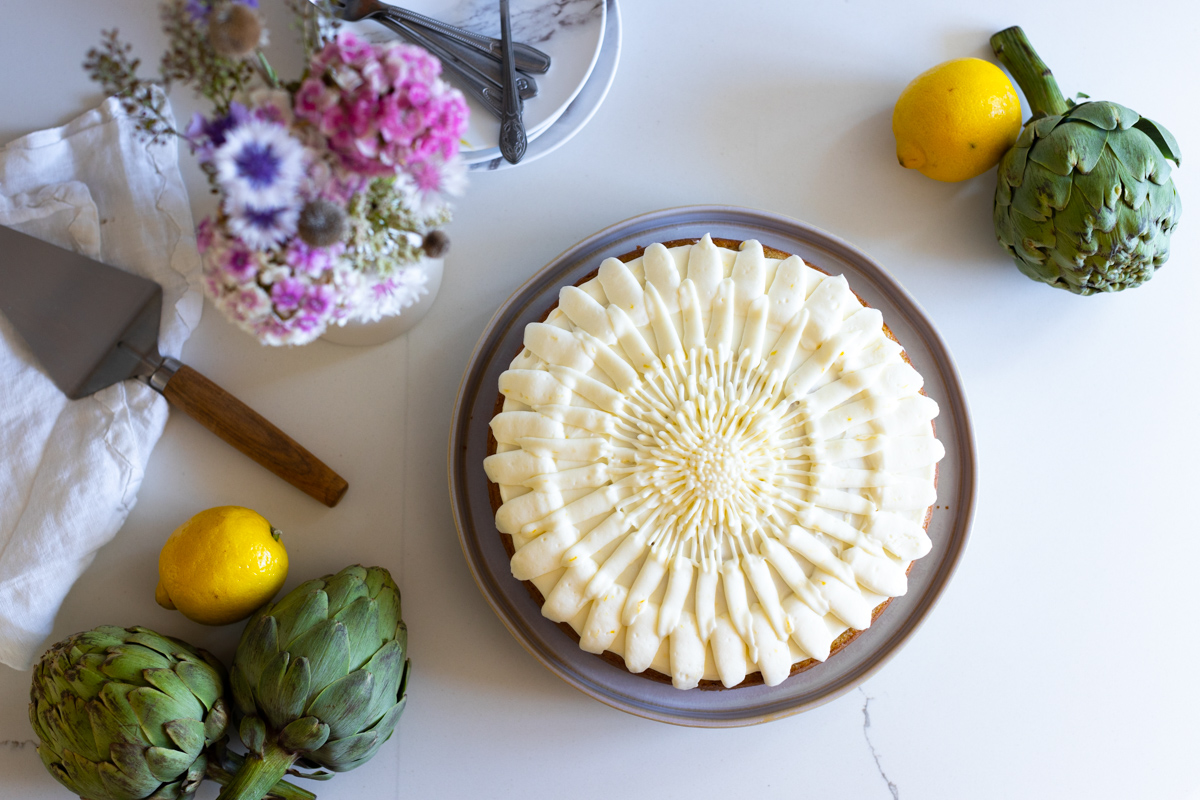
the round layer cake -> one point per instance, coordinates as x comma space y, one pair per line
713, 462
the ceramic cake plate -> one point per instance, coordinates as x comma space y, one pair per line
553, 648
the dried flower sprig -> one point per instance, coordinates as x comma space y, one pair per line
113, 66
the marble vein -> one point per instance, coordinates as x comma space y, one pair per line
892, 788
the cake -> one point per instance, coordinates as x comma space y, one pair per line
712, 462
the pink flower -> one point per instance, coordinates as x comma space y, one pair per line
287, 294
353, 50
240, 263
313, 98
204, 235
385, 109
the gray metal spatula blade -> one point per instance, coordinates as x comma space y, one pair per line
91, 325
73, 312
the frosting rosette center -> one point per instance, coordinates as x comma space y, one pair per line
706, 450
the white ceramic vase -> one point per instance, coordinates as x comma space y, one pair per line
366, 334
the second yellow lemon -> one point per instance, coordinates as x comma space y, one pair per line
955, 121
221, 566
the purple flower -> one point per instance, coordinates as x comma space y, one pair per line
263, 228
206, 135
260, 164
287, 294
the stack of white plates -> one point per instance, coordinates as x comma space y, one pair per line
583, 40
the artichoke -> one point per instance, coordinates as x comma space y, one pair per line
1084, 199
320, 678
126, 714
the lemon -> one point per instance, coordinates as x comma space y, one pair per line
955, 121
221, 566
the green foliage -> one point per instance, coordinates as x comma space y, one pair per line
380, 221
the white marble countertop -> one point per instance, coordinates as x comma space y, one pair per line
1060, 662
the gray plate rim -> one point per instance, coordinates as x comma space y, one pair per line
862, 658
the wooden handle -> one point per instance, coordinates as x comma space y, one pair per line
243, 427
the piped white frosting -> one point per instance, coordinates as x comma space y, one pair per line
713, 462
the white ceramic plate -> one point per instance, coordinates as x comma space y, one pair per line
569, 31
582, 108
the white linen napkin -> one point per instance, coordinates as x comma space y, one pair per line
70, 469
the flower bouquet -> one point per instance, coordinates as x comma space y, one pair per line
332, 187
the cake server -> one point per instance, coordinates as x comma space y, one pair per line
90, 325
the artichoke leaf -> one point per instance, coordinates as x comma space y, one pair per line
87, 681
1138, 154
166, 764
296, 614
1026, 137
283, 689
387, 723
1042, 193
187, 734
1012, 168
259, 644
169, 791
361, 619
99, 638
304, 735
345, 704
377, 578
114, 718
128, 663
1041, 127
338, 754
346, 587
1101, 188
69, 726
1165, 206
202, 682
170, 684
1162, 139
389, 668
154, 710
130, 759
82, 775
253, 733
243, 694
154, 641
327, 648
217, 721
119, 784
1069, 148
388, 599
1105, 114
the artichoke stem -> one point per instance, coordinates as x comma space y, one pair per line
280, 791
259, 774
1015, 52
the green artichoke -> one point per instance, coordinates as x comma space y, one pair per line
1084, 199
320, 678
124, 714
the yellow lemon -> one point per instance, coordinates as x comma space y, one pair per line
956, 120
221, 566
